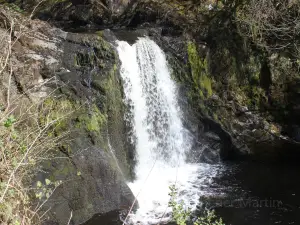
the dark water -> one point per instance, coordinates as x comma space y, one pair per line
111, 218
247, 193
258, 194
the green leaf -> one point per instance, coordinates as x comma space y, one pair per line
23, 148
39, 184
39, 195
9, 121
48, 181
11, 192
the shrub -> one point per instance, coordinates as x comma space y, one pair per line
24, 139
181, 214
272, 25
24, 144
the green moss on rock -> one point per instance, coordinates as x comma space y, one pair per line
56, 112
199, 70
92, 120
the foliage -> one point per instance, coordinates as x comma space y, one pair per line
25, 142
181, 215
56, 109
272, 25
13, 6
209, 219
9, 121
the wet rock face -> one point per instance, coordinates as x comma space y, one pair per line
245, 96
100, 188
117, 7
81, 70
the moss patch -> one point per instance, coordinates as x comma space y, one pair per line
13, 6
56, 112
199, 70
92, 120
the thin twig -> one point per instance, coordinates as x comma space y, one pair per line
70, 218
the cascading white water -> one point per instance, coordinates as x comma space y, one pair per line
158, 134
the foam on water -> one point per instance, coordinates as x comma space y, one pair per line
158, 134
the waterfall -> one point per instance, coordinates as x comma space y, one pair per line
160, 139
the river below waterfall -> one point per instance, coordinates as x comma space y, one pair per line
245, 193
258, 194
